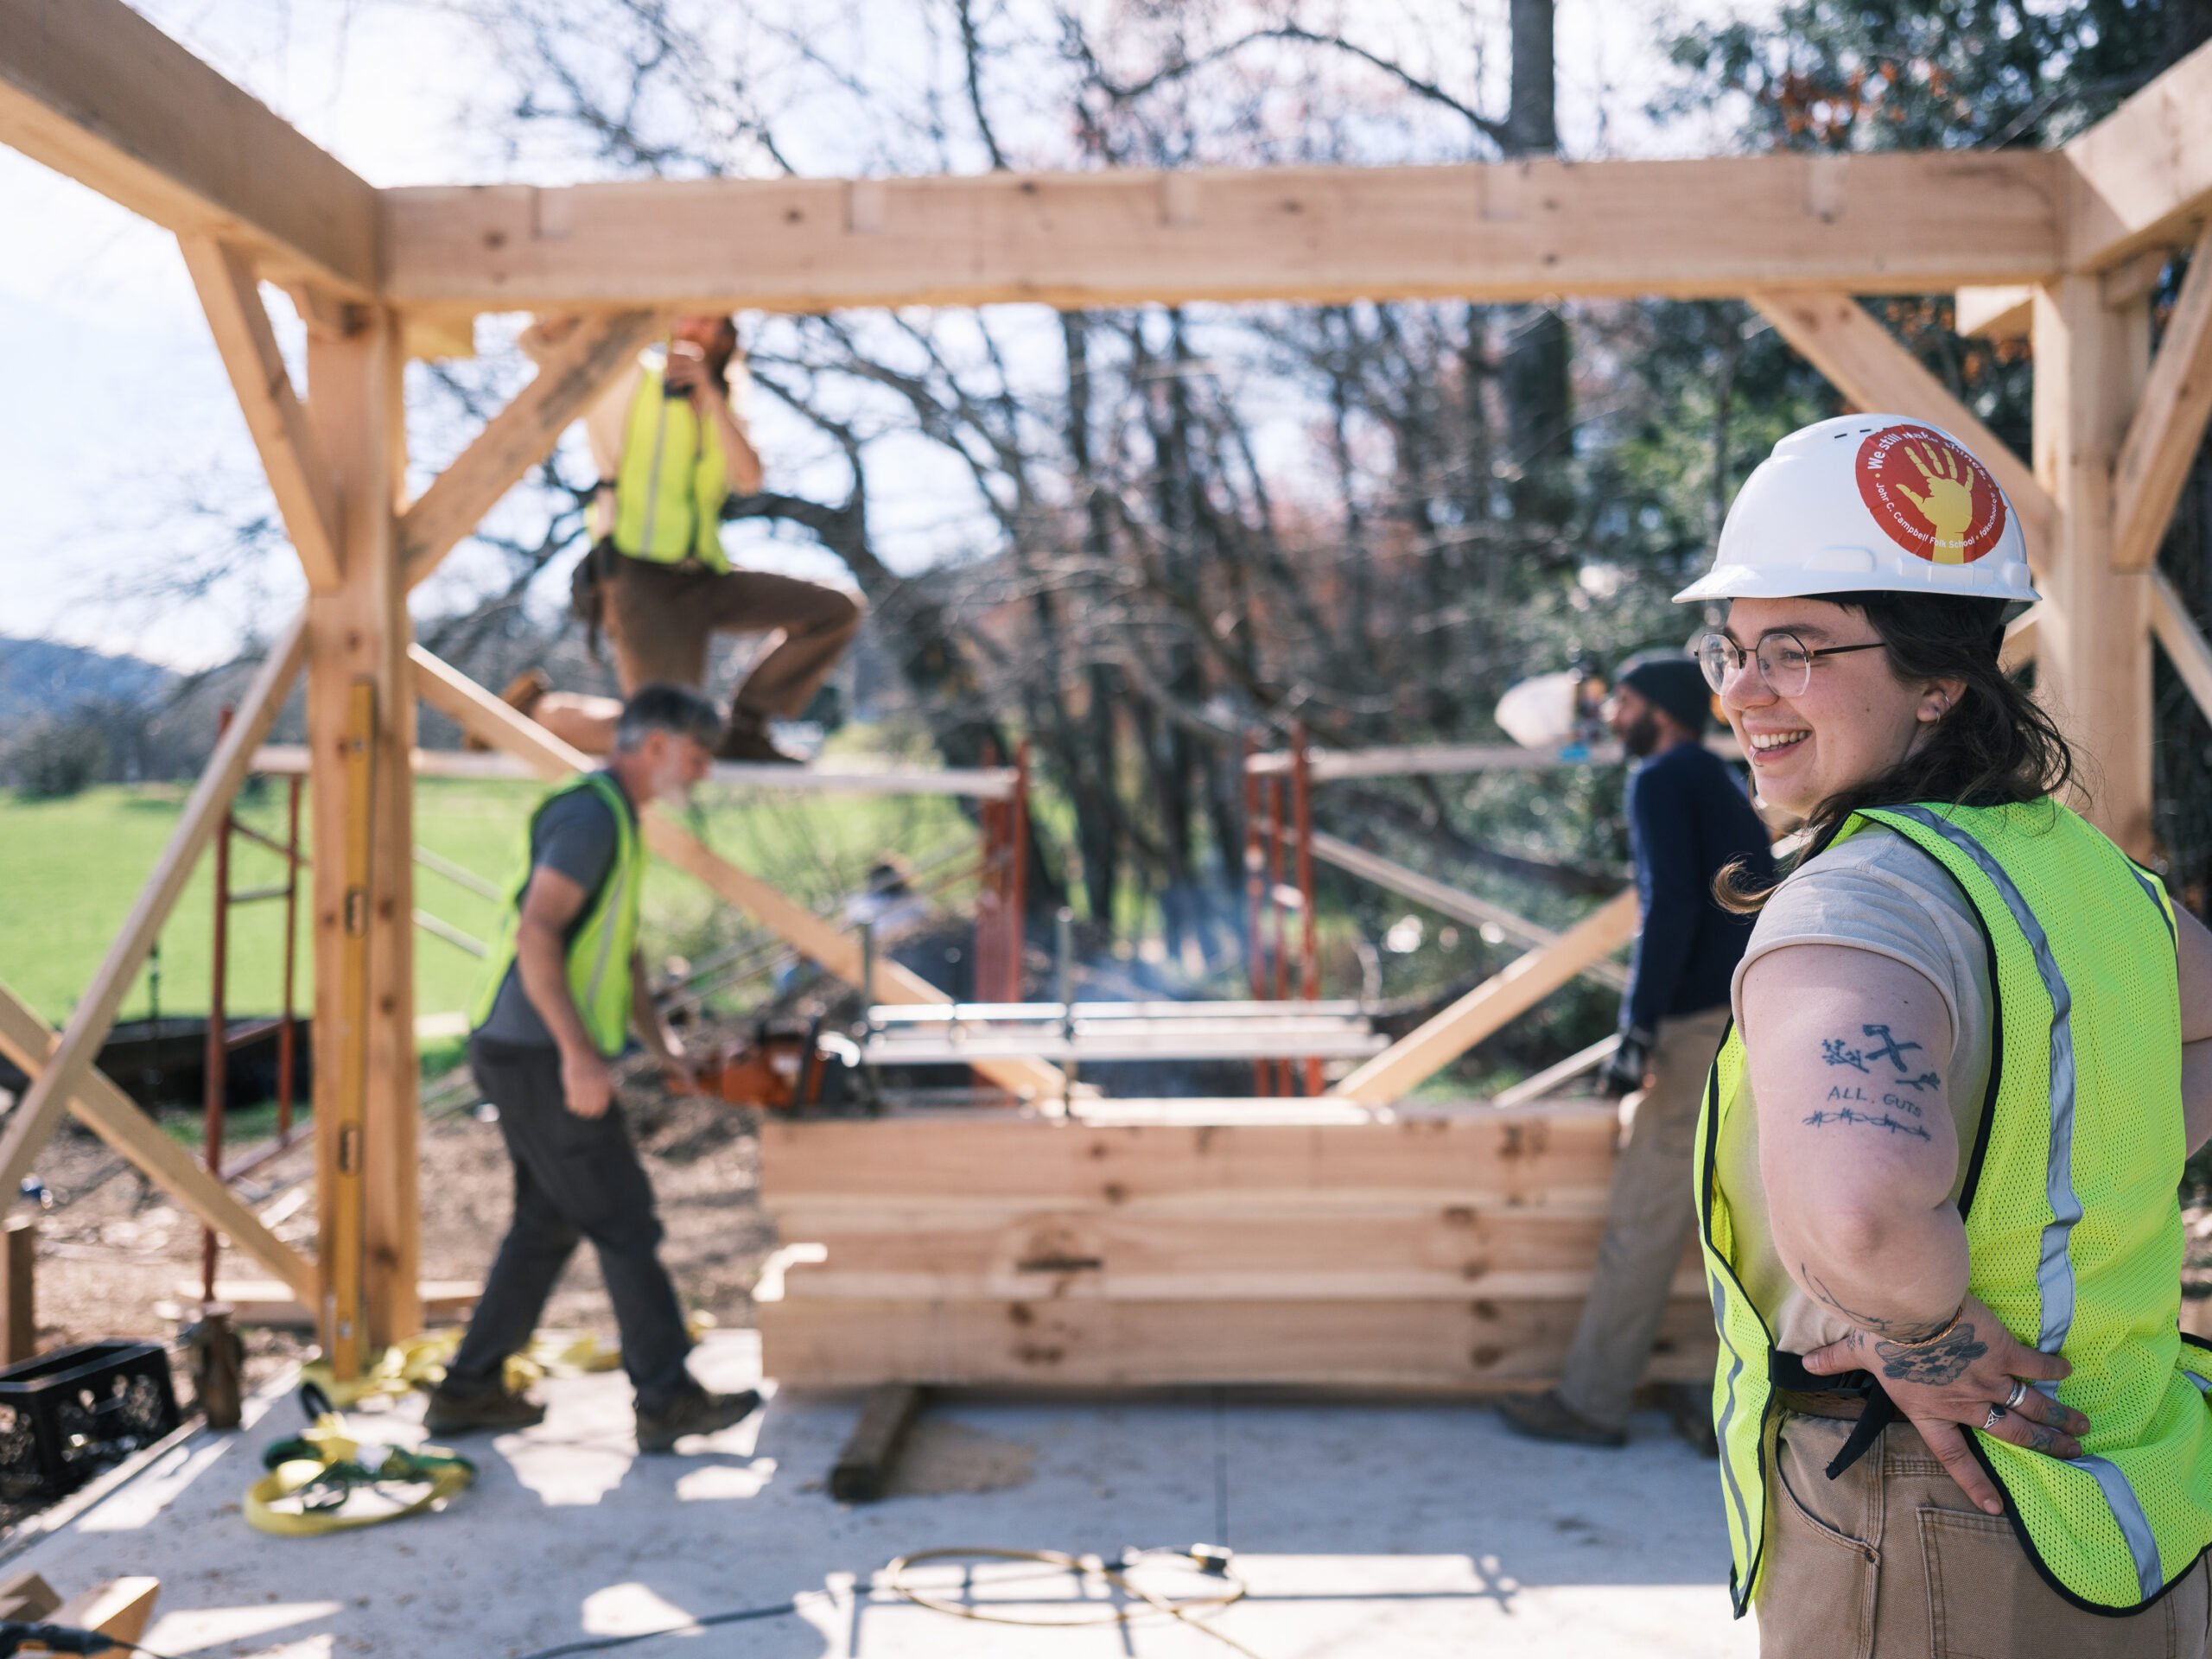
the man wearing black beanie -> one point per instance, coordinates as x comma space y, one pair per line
1688, 818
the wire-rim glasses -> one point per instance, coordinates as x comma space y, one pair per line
1785, 661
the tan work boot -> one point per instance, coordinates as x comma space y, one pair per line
746, 738
522, 695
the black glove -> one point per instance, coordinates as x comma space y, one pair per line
1624, 1072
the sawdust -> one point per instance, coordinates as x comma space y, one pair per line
941, 1456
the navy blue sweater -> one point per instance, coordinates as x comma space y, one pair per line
1687, 817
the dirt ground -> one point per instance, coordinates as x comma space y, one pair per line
116, 1258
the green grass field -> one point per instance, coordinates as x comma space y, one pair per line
71, 868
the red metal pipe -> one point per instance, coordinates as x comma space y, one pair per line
1309, 958
219, 1050
1255, 896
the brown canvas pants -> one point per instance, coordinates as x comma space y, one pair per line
661, 618
1891, 1559
1648, 1216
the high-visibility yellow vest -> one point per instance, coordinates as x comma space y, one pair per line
602, 940
670, 488
2072, 1219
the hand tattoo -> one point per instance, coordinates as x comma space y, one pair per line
1937, 1364
2043, 1440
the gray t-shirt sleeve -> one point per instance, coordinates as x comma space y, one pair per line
577, 836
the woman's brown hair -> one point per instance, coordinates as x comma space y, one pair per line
1995, 746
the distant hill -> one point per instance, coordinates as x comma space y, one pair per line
40, 676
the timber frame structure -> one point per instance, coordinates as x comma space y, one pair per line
2065, 246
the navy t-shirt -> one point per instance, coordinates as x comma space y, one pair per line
576, 834
1688, 818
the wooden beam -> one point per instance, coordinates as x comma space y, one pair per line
1862, 360
32, 1122
19, 1293
1994, 312
2184, 643
2168, 427
482, 715
864, 1463
30, 1045
2093, 647
94, 90
1527, 230
1448, 901
1418, 1055
299, 475
2139, 177
518, 436
367, 1091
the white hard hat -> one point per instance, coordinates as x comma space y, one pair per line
1869, 504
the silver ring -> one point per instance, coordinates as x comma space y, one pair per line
1996, 1414
2020, 1393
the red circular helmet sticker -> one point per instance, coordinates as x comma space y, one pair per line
1933, 500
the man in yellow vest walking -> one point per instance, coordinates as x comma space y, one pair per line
671, 442
564, 985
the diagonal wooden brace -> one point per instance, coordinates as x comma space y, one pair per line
29, 1041
299, 473
1510, 992
482, 715
41, 1108
2169, 424
518, 436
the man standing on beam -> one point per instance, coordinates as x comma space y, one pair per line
1688, 818
671, 442
565, 984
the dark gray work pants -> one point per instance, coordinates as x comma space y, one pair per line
575, 1177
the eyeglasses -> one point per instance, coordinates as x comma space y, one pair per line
1785, 661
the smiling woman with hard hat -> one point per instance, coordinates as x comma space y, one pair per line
1938, 1160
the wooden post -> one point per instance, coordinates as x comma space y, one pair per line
1017, 876
216, 1084
361, 730
20, 1341
2092, 651
1309, 959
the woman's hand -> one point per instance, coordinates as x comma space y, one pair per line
1950, 1384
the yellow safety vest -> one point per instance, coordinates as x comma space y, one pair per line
2072, 1217
600, 948
673, 479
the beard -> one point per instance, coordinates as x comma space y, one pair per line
1643, 736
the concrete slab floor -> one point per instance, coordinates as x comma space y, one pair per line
1361, 1527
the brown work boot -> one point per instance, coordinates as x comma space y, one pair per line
1547, 1417
488, 1408
695, 1413
522, 695
746, 738
1689, 1406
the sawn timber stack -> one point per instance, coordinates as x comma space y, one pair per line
1190, 1242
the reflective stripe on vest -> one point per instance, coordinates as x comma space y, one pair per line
672, 480
2072, 1219
599, 950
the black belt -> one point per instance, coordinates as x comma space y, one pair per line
1788, 1371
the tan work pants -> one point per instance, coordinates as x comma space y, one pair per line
1648, 1216
661, 618
1891, 1559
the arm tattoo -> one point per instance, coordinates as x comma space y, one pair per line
1935, 1365
1876, 1104
1896, 1330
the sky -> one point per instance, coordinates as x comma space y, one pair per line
122, 449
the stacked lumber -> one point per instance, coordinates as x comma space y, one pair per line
1318, 1243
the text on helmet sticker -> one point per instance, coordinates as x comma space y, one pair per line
1931, 497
